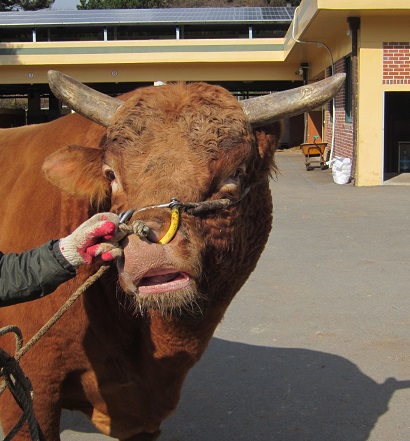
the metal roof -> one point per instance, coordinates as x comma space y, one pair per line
174, 16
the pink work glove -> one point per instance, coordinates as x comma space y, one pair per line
97, 237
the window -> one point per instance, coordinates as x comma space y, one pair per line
21, 35
70, 33
348, 90
142, 32
216, 31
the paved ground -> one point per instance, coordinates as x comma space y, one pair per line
316, 346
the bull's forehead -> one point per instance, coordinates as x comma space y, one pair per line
186, 136
181, 120
190, 108
179, 95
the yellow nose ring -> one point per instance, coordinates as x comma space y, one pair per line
173, 227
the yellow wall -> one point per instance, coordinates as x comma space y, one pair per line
363, 5
369, 167
152, 72
374, 31
193, 60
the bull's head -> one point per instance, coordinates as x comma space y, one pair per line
195, 142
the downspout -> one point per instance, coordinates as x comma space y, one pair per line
305, 77
332, 67
354, 26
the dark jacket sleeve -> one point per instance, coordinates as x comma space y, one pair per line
32, 274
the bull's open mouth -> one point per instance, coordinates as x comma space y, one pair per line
162, 280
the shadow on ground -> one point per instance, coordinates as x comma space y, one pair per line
245, 392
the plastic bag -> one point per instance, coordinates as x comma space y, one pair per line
341, 169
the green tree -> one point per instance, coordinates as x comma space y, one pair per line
122, 4
26, 5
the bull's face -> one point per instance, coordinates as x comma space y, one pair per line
191, 142
195, 143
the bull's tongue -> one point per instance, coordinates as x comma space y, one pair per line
163, 282
158, 280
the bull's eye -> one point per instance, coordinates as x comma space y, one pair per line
239, 172
108, 173
232, 183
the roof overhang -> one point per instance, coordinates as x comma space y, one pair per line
326, 21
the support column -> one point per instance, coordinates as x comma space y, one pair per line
34, 115
305, 77
354, 26
54, 107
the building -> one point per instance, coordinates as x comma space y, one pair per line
370, 41
249, 51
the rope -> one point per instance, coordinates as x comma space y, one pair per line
93, 278
20, 387
14, 377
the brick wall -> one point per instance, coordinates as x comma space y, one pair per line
396, 63
343, 143
396, 70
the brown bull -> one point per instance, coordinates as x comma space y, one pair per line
121, 353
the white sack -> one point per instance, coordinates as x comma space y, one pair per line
341, 169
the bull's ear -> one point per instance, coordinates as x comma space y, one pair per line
267, 139
77, 171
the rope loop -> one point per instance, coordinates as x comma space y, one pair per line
20, 387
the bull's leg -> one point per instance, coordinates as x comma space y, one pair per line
10, 412
47, 416
49, 420
146, 436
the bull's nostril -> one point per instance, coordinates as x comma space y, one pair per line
153, 236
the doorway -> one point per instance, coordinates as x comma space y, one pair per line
396, 134
314, 126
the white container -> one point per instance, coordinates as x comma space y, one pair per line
341, 169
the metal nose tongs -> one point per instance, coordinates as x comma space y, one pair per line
141, 229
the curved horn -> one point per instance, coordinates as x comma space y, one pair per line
266, 109
89, 103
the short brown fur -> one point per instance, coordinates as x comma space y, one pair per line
121, 361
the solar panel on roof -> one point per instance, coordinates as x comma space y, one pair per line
146, 16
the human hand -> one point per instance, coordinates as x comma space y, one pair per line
98, 237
